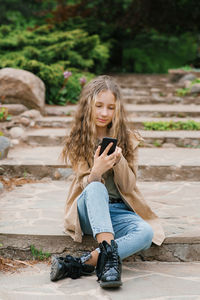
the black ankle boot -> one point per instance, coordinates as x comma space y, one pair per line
108, 269
69, 266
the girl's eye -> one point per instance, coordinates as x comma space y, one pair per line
111, 108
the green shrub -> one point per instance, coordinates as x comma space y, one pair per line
3, 113
156, 53
189, 68
182, 92
71, 90
47, 53
5, 29
171, 125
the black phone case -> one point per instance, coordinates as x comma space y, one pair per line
105, 143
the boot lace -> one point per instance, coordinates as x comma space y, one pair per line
112, 261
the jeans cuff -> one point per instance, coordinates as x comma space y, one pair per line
97, 231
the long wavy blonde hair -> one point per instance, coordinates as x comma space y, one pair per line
82, 140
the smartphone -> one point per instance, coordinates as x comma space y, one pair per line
105, 142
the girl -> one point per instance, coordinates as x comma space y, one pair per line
104, 200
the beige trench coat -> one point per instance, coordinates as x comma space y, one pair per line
125, 180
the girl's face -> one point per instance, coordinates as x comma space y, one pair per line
104, 108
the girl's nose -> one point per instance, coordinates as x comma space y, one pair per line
104, 112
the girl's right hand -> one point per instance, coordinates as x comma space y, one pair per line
103, 162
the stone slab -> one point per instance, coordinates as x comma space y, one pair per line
136, 110
136, 122
55, 136
37, 213
163, 110
141, 280
148, 157
154, 100
156, 164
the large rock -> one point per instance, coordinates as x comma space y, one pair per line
186, 80
17, 132
189, 77
19, 86
4, 146
195, 89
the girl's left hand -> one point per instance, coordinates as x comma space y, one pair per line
118, 154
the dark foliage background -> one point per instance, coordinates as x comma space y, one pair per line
143, 36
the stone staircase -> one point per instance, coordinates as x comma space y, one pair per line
169, 173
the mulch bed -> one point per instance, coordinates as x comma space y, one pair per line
14, 265
10, 183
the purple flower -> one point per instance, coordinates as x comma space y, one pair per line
83, 81
67, 74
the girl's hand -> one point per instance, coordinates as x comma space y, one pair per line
103, 162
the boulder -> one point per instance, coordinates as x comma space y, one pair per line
195, 89
32, 114
186, 80
23, 87
176, 74
24, 121
14, 142
189, 77
4, 146
16, 132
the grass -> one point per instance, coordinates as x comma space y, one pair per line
39, 254
171, 125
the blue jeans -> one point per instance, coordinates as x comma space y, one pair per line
97, 215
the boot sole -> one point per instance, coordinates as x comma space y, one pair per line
111, 284
54, 270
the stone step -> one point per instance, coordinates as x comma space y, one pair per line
163, 110
133, 110
178, 138
55, 136
134, 122
32, 214
157, 99
156, 164
142, 80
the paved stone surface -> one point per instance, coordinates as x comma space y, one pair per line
38, 208
141, 281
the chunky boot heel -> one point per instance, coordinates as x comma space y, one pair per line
69, 266
109, 265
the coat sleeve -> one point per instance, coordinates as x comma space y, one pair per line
82, 172
125, 175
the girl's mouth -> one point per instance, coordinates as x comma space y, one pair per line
101, 120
